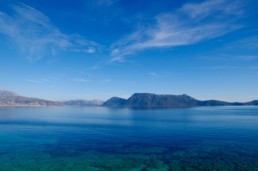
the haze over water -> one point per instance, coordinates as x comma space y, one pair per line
98, 138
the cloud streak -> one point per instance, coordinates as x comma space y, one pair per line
81, 80
153, 74
38, 81
35, 35
192, 23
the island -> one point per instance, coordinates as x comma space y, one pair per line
148, 100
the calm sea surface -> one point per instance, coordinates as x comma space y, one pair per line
98, 138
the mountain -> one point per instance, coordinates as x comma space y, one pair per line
11, 99
115, 102
8, 98
137, 100
215, 103
83, 103
148, 100
254, 102
4, 93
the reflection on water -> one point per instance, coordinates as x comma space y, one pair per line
96, 138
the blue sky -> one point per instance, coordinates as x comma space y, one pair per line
96, 49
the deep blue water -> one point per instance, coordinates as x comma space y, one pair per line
98, 138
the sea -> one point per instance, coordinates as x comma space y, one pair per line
122, 139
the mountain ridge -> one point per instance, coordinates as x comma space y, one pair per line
11, 99
150, 100
137, 100
83, 102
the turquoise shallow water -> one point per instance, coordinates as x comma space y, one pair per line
98, 138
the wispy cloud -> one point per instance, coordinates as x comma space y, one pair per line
153, 74
117, 59
226, 67
107, 80
248, 43
205, 9
37, 37
91, 50
81, 80
192, 23
38, 80
230, 57
247, 57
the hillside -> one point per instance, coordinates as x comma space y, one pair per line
8, 98
148, 100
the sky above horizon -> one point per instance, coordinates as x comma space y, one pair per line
97, 49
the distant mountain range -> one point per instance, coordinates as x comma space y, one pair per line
147, 100
137, 100
83, 103
10, 99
